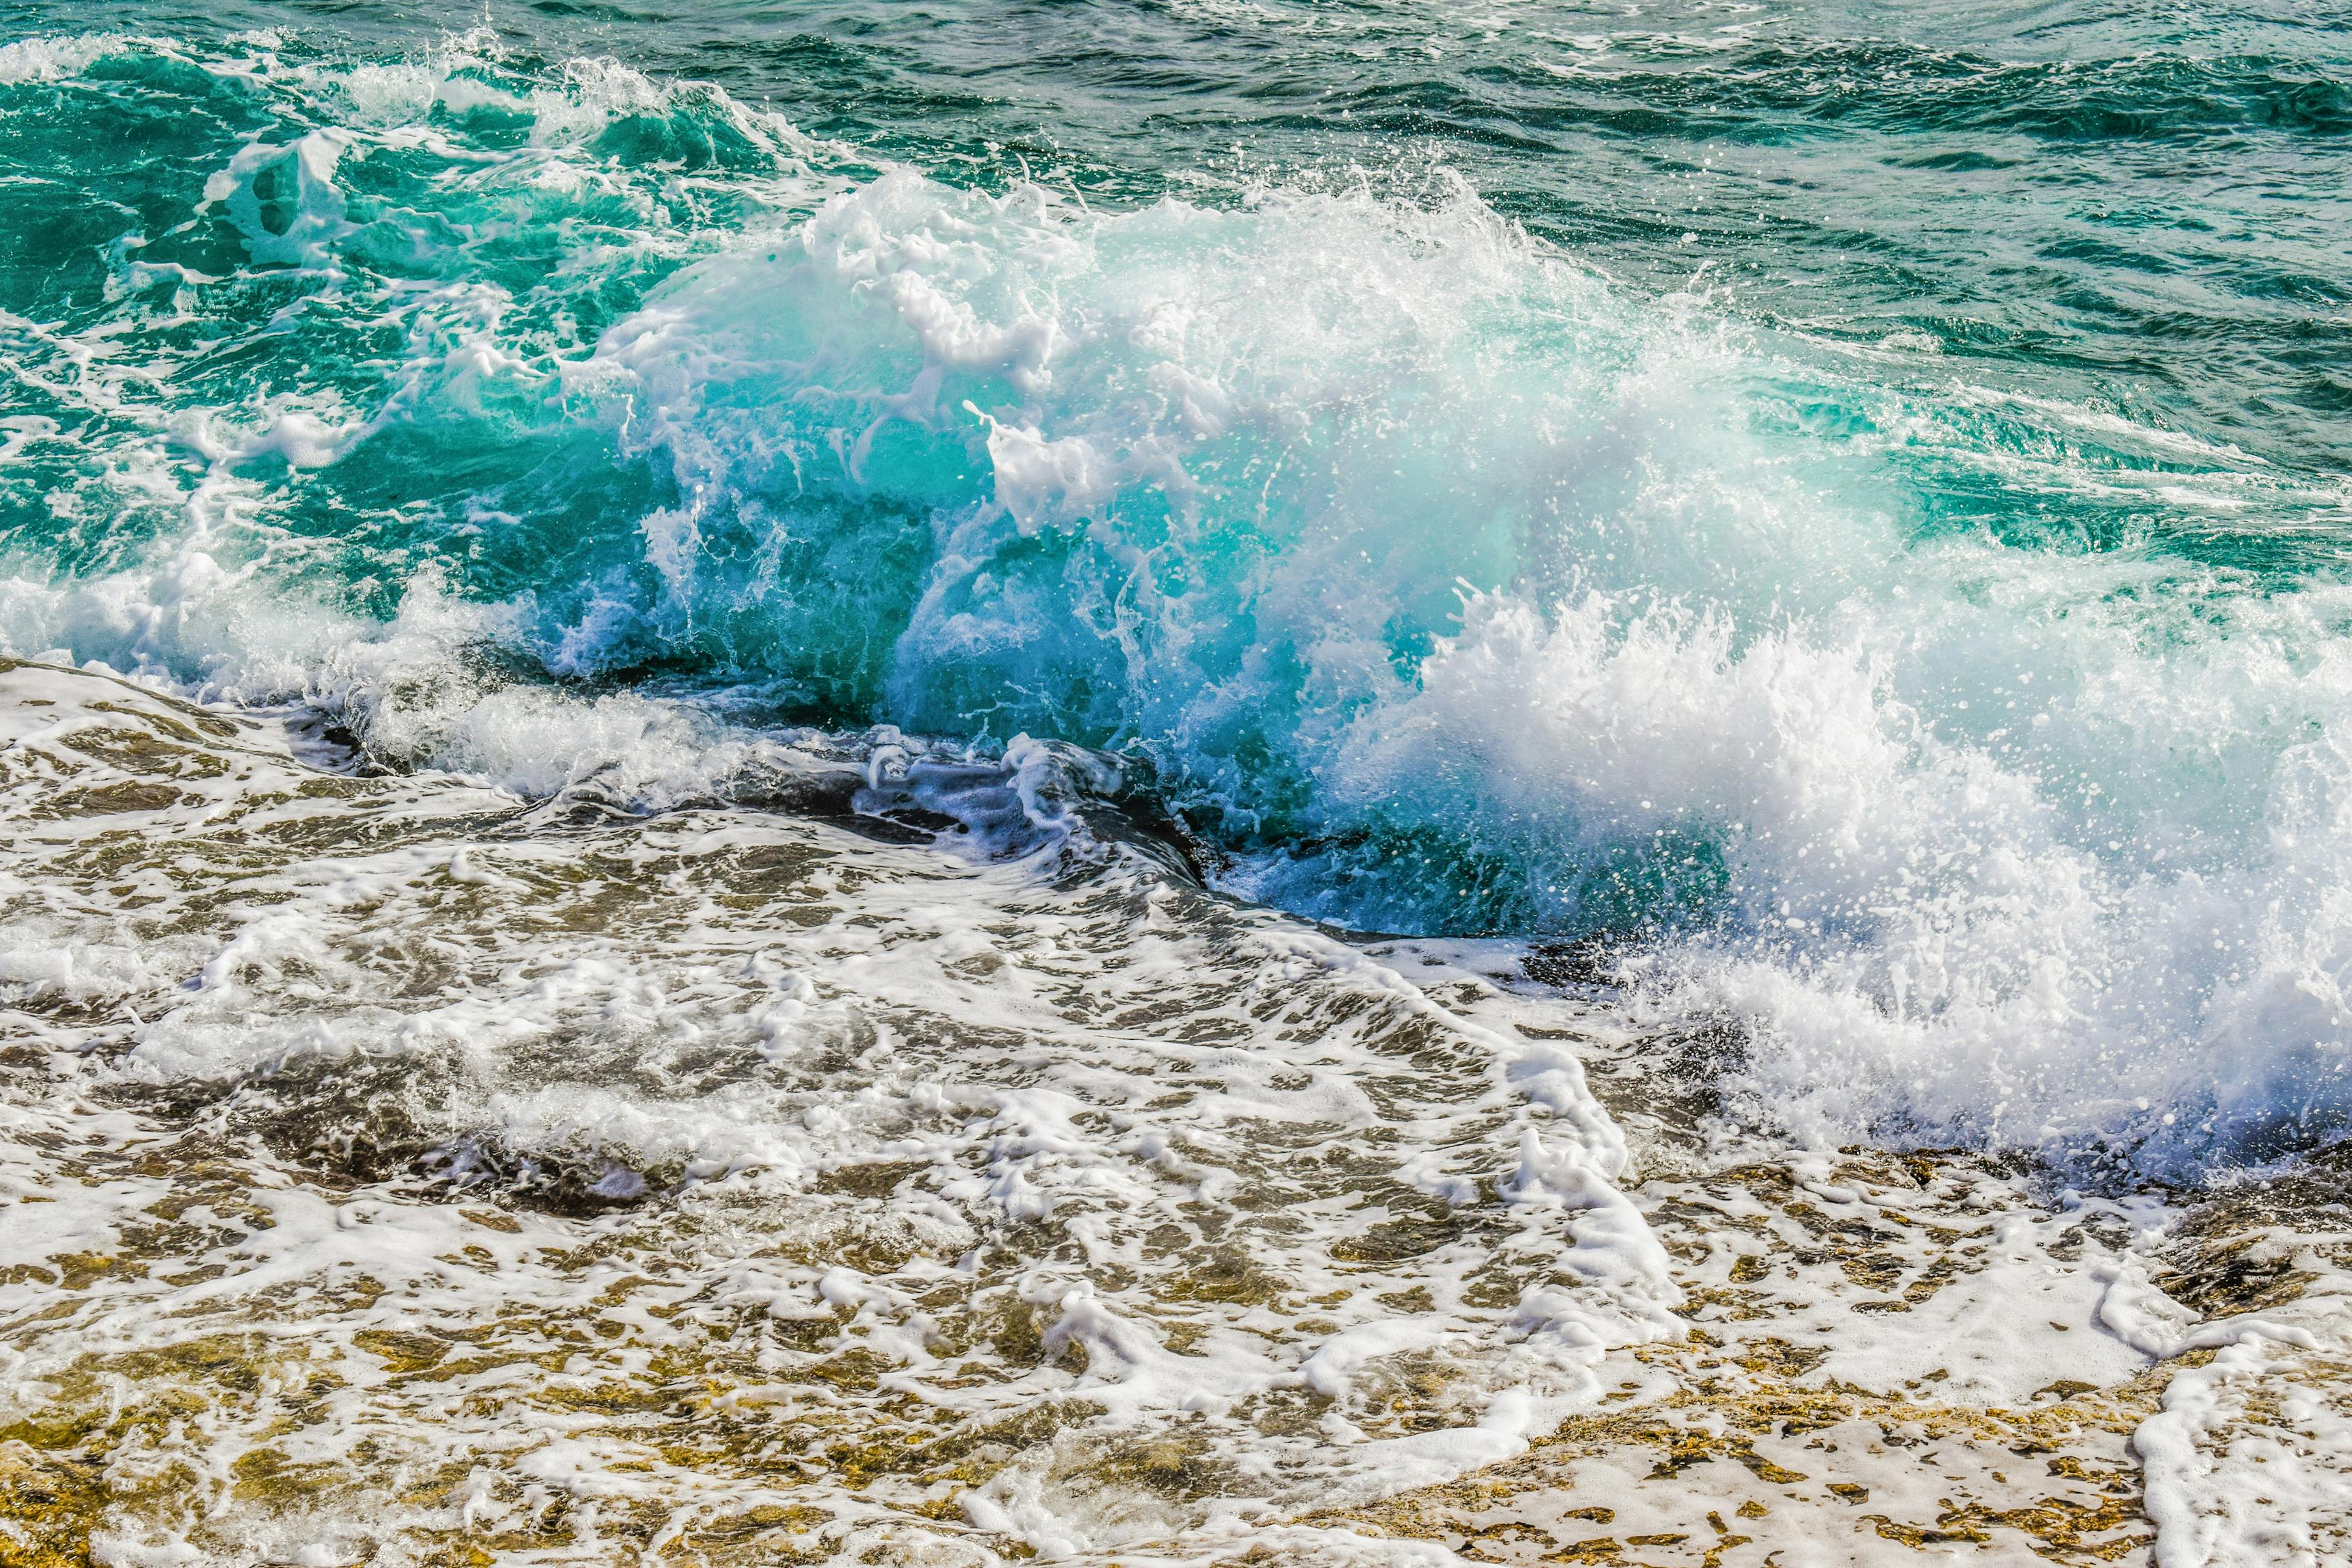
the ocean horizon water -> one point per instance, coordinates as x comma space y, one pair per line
933, 782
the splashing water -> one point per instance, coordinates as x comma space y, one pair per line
1978, 746
1831, 541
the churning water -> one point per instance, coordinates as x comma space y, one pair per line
707, 696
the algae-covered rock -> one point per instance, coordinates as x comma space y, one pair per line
48, 1506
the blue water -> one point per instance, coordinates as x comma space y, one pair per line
1838, 513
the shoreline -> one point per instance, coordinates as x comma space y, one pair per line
1870, 1353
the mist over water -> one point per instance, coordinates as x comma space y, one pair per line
1838, 518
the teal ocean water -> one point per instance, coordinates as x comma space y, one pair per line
1830, 520
1303, 783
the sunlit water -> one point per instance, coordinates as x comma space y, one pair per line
815, 622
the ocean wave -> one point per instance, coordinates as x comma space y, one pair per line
1439, 583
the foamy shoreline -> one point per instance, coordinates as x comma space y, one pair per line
328, 1248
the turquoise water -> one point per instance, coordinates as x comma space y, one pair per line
1840, 512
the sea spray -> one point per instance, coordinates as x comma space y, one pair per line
767, 648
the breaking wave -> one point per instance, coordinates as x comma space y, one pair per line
542, 421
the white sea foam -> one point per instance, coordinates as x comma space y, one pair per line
1057, 1101
872, 1100
1926, 931
2033, 850
60, 58
2251, 1460
2017, 847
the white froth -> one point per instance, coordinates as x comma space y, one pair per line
2009, 844
2027, 850
755, 1047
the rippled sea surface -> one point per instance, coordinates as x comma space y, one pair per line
1174, 781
